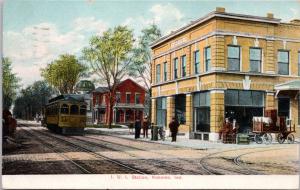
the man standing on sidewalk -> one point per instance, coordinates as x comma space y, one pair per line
173, 125
137, 127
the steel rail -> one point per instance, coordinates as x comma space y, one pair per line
94, 153
48, 145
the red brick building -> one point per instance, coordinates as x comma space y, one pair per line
128, 104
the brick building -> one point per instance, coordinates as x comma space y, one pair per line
128, 103
226, 65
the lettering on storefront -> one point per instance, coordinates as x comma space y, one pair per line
246, 83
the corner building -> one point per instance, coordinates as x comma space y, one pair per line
226, 65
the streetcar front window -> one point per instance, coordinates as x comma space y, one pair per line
74, 109
64, 109
82, 110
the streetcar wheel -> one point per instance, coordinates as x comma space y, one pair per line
267, 138
258, 139
290, 138
280, 138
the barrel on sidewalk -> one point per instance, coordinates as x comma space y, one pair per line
154, 132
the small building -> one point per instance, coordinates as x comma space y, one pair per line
226, 65
128, 103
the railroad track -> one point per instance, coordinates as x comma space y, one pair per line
212, 170
153, 161
59, 153
156, 163
97, 155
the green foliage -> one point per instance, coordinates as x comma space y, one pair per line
109, 57
10, 83
64, 73
32, 99
141, 62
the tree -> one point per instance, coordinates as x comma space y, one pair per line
109, 58
32, 99
64, 73
140, 67
10, 83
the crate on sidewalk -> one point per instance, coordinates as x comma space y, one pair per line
243, 138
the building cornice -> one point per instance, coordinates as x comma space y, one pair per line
211, 15
226, 33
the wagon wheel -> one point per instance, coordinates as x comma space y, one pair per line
280, 138
258, 139
267, 138
290, 138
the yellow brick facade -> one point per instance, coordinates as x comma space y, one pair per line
217, 32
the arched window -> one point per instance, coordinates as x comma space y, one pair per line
74, 109
82, 110
64, 109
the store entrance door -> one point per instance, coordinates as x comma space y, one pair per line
284, 107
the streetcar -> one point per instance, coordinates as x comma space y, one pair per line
66, 114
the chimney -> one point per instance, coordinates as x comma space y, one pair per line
220, 9
270, 15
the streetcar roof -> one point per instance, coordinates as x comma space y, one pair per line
68, 97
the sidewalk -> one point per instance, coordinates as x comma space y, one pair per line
182, 141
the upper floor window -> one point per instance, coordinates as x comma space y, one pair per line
207, 54
175, 68
118, 97
283, 62
127, 98
157, 73
137, 98
197, 61
165, 71
183, 65
299, 65
233, 58
255, 60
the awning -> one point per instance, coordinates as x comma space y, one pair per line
292, 86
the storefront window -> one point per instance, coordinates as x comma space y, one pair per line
202, 112
161, 111
180, 108
243, 105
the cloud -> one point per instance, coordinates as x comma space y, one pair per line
36, 45
167, 16
295, 13
90, 24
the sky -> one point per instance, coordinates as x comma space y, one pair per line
36, 32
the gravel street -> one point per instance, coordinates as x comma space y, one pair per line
113, 152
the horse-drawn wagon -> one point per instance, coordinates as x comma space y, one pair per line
263, 127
